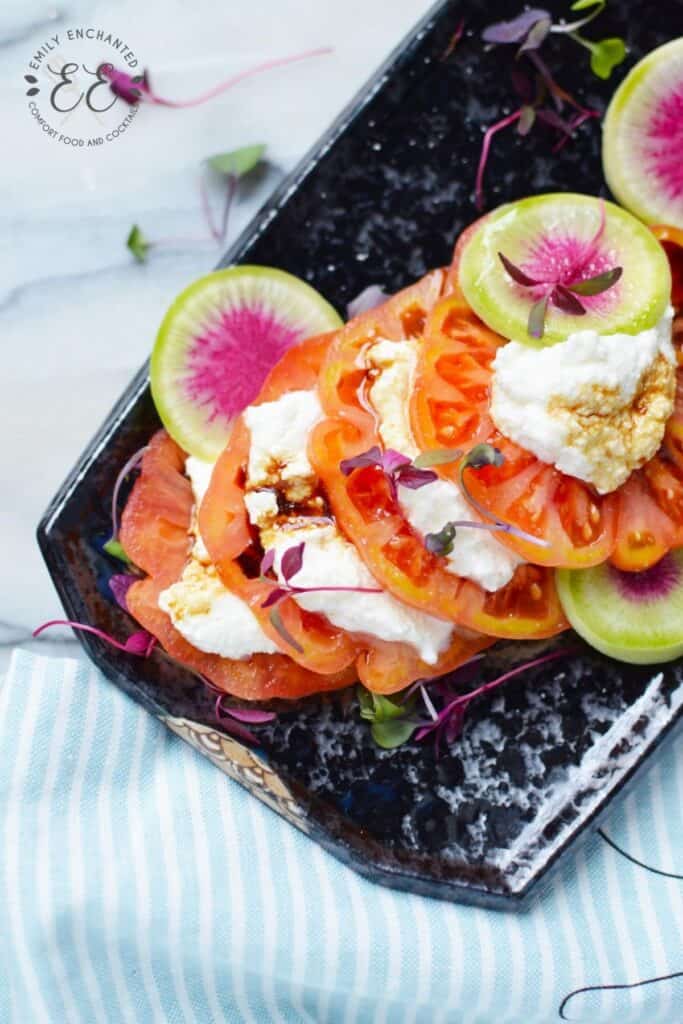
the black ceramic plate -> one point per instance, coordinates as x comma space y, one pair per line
381, 199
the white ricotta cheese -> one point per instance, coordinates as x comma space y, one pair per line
476, 554
279, 435
210, 617
330, 560
261, 507
199, 474
595, 406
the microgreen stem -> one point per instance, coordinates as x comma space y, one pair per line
229, 197
485, 148
433, 713
128, 466
84, 628
269, 65
499, 524
206, 207
561, 27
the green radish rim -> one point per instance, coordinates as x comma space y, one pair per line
639, 193
599, 613
613, 237
285, 311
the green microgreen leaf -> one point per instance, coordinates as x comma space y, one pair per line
390, 735
536, 321
441, 543
583, 5
138, 244
437, 457
598, 284
526, 120
237, 162
114, 548
391, 723
606, 55
483, 455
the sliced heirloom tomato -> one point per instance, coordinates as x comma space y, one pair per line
368, 511
154, 532
450, 409
389, 667
225, 529
651, 511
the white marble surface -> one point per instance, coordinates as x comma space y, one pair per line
77, 315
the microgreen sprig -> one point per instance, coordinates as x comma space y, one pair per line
564, 296
141, 643
528, 32
398, 468
291, 562
394, 722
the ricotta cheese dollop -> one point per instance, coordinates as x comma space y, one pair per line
595, 406
476, 554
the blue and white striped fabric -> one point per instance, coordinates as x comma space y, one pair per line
139, 884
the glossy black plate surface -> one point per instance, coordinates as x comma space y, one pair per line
381, 199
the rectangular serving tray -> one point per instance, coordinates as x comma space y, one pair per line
380, 199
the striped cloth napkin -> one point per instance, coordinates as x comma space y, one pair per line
140, 885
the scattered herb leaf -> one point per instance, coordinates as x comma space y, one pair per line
141, 643
138, 244
237, 162
598, 284
115, 550
119, 584
277, 623
437, 457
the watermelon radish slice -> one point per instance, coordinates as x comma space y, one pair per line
642, 142
541, 254
635, 617
218, 342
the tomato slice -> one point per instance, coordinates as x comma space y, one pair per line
390, 667
650, 514
450, 408
157, 514
154, 532
367, 509
260, 677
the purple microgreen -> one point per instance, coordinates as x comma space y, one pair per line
526, 120
489, 134
134, 90
276, 595
397, 467
392, 461
137, 244
536, 35
598, 284
515, 273
450, 718
414, 478
372, 457
454, 40
267, 562
437, 457
487, 455
250, 716
292, 561
230, 725
554, 120
427, 701
140, 643
576, 122
130, 464
536, 321
370, 298
566, 302
277, 624
441, 543
119, 584
114, 549
522, 84
515, 30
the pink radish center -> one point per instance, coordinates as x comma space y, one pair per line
565, 259
651, 584
664, 142
228, 361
